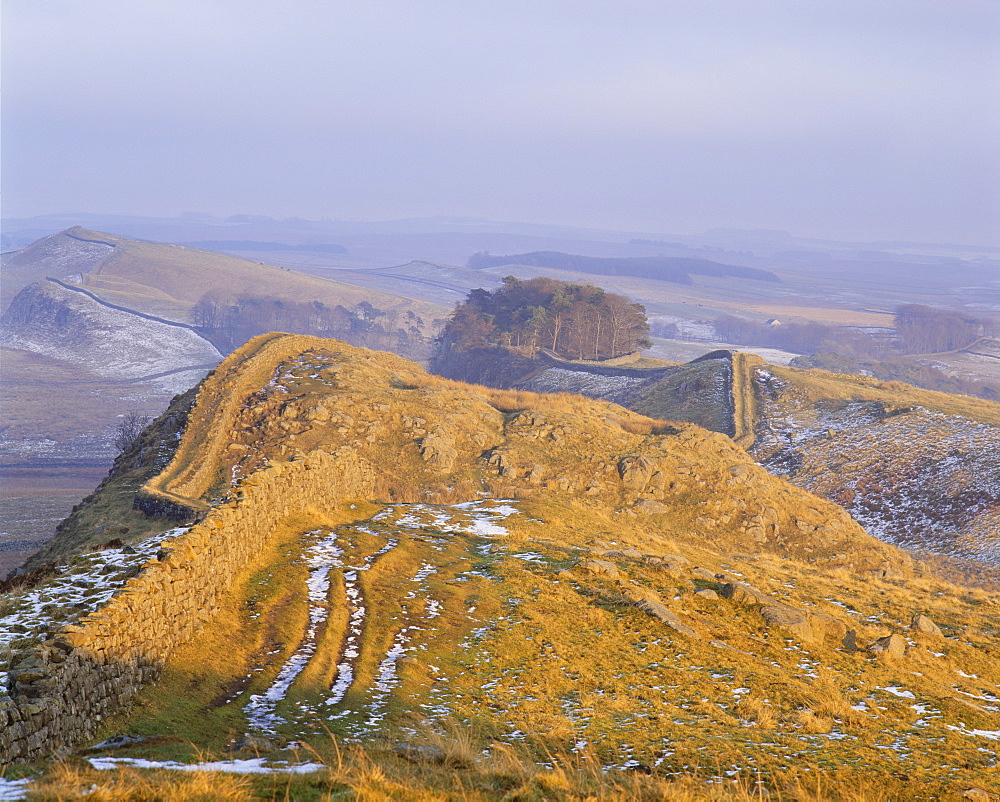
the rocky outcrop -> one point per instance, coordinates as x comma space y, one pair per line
925, 625
889, 646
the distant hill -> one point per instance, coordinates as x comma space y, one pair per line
95, 325
663, 268
257, 246
170, 279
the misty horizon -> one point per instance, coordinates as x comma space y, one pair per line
856, 122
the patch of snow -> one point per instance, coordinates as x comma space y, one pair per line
254, 765
993, 735
321, 558
110, 342
13, 790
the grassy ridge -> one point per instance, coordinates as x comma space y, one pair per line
820, 384
534, 670
169, 279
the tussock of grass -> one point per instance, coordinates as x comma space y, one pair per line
67, 782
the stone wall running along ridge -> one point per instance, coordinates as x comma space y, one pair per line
61, 689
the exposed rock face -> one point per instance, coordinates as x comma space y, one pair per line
742, 593
652, 605
600, 568
793, 621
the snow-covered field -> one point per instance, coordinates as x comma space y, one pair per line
108, 342
686, 350
62, 255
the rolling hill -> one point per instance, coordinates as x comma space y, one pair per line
95, 325
167, 280
351, 577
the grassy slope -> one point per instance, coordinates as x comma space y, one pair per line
513, 650
169, 279
778, 710
820, 384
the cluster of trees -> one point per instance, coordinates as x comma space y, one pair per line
918, 330
574, 321
230, 322
923, 330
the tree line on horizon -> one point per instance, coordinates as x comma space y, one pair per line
917, 329
676, 269
573, 321
230, 322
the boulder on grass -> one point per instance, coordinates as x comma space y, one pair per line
790, 620
923, 624
893, 645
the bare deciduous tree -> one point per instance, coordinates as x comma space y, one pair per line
128, 429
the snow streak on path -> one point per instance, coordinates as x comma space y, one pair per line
255, 765
345, 669
432, 528
435, 527
321, 558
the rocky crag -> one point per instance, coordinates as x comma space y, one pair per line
916, 468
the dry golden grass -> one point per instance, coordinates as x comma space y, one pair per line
562, 656
501, 772
72, 782
169, 279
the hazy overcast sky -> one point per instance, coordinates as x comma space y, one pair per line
856, 119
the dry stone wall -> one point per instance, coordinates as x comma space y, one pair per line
61, 690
